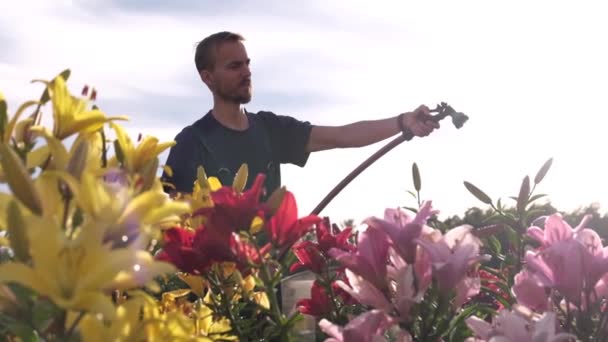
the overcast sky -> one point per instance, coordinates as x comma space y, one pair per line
531, 75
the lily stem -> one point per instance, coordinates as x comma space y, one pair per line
74, 325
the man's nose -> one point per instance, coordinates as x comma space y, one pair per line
246, 71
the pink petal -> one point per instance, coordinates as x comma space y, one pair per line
364, 291
331, 329
480, 328
556, 229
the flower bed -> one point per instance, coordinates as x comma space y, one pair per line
93, 249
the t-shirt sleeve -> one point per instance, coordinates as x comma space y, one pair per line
289, 138
183, 161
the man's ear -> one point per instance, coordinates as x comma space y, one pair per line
206, 77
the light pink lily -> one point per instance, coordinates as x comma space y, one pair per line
364, 291
595, 258
518, 325
467, 288
453, 255
370, 259
560, 267
556, 229
403, 229
367, 327
530, 292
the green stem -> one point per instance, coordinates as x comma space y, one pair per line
225, 303
269, 289
74, 325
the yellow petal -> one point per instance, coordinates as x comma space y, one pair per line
166, 210
95, 303
214, 183
240, 179
262, 300
256, 225
160, 148
126, 146
78, 159
58, 151
83, 122
19, 179
22, 128
21, 274
8, 132
5, 200
17, 230
37, 157
197, 283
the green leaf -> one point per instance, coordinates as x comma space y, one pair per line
494, 245
416, 175
412, 193
480, 195
499, 204
43, 313
543, 171
535, 197
524, 193
22, 331
496, 296
536, 213
414, 210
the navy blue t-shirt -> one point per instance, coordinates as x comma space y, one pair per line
269, 141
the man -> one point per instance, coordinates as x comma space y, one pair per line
229, 136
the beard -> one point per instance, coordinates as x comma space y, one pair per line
237, 96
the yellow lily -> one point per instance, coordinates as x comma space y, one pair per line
77, 274
201, 195
71, 114
135, 158
114, 206
140, 319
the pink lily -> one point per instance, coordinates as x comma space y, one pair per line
530, 292
556, 229
370, 259
560, 267
364, 292
453, 255
367, 327
467, 288
518, 325
403, 229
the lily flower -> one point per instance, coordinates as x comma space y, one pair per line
367, 327
370, 259
77, 274
453, 255
284, 227
71, 114
403, 230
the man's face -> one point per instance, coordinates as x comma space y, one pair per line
230, 78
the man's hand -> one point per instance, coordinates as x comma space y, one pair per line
419, 121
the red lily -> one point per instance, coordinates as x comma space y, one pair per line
284, 227
233, 210
319, 303
309, 257
193, 252
333, 238
246, 254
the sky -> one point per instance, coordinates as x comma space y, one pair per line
529, 74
